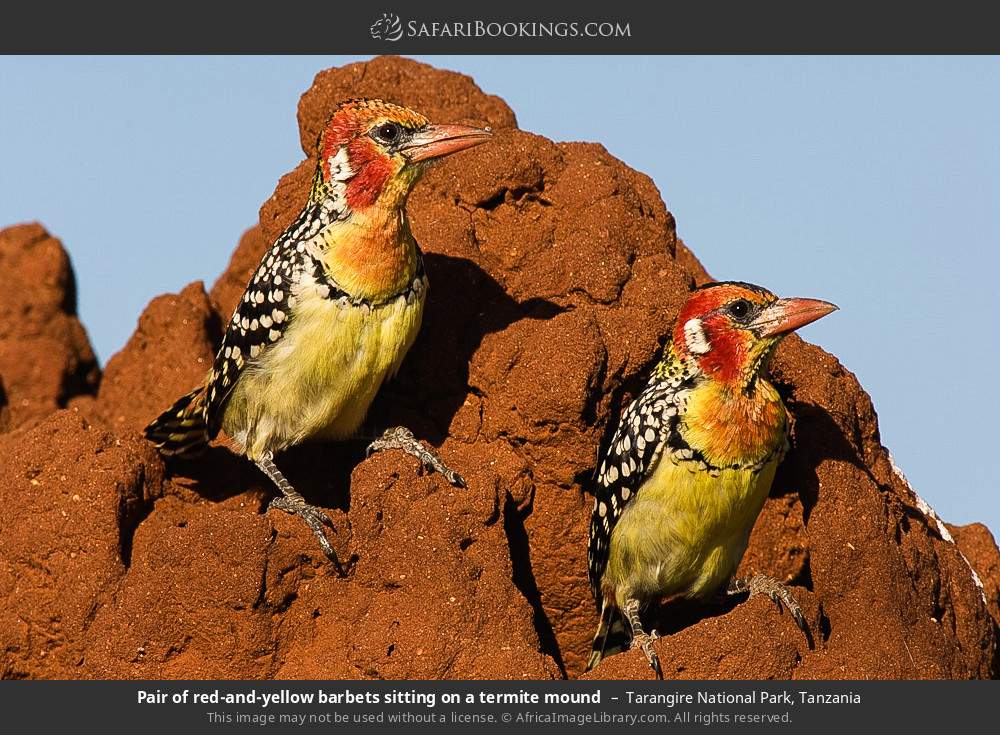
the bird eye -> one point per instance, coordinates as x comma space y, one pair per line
387, 132
739, 308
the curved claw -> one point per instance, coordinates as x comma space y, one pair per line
761, 584
293, 503
454, 478
645, 643
315, 518
290, 507
402, 438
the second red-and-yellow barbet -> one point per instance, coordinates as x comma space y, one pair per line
678, 489
332, 309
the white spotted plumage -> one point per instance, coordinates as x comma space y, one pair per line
644, 430
260, 317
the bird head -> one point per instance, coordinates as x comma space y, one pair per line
729, 330
372, 152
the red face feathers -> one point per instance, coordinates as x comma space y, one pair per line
729, 329
371, 148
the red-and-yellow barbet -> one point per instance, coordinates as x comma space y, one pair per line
332, 309
679, 487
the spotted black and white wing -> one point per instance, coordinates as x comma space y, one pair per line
644, 429
265, 311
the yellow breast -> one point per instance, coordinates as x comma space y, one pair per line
320, 378
685, 531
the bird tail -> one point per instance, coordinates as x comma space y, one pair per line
182, 430
611, 636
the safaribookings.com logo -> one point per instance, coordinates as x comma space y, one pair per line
387, 28
390, 28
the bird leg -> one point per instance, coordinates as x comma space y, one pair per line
761, 584
293, 503
640, 639
402, 438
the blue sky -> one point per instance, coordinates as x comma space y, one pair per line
873, 182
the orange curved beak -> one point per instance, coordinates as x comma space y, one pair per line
435, 141
787, 315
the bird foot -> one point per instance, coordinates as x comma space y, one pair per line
761, 584
402, 438
644, 642
640, 638
315, 518
293, 503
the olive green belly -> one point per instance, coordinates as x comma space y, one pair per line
684, 532
320, 378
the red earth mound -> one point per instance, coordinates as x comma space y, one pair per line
555, 270
45, 356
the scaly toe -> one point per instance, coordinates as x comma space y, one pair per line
403, 439
453, 477
645, 644
281, 504
763, 585
315, 518
308, 512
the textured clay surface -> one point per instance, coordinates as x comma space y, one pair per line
45, 355
554, 271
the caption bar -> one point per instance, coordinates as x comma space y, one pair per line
437, 703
